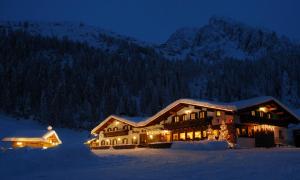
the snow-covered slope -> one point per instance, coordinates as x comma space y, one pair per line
107, 41
223, 38
72, 160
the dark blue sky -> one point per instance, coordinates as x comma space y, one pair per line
155, 20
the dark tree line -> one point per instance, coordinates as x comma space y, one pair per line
66, 83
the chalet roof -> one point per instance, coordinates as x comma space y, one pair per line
133, 121
34, 135
231, 106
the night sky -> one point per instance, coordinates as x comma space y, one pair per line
155, 20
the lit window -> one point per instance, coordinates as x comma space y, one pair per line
202, 114
218, 113
176, 119
269, 116
261, 113
184, 117
182, 136
189, 135
193, 116
175, 137
216, 133
253, 113
197, 135
204, 133
238, 131
244, 132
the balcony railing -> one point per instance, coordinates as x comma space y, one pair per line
188, 123
116, 133
263, 120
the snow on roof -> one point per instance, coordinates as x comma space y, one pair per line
204, 103
34, 135
251, 102
232, 106
297, 111
133, 121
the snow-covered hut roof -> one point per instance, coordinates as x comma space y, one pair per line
204, 103
133, 121
259, 100
35, 135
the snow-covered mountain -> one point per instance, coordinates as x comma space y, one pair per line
223, 38
106, 40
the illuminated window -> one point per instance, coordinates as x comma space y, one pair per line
193, 116
184, 117
202, 114
238, 131
102, 143
125, 127
176, 118
244, 132
253, 113
175, 137
218, 113
261, 114
182, 136
269, 116
114, 142
216, 133
125, 141
204, 134
134, 140
189, 135
197, 135
115, 128
109, 129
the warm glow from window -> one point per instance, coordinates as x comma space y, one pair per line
197, 134
175, 137
119, 139
176, 118
189, 135
218, 113
204, 133
253, 113
216, 132
134, 137
182, 136
193, 116
19, 143
184, 117
151, 136
117, 122
202, 114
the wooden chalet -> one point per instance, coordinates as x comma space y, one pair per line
34, 139
260, 121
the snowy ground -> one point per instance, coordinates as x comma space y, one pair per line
72, 160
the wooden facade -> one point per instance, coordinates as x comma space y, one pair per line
262, 119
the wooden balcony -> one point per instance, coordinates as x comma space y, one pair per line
188, 123
116, 133
263, 120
